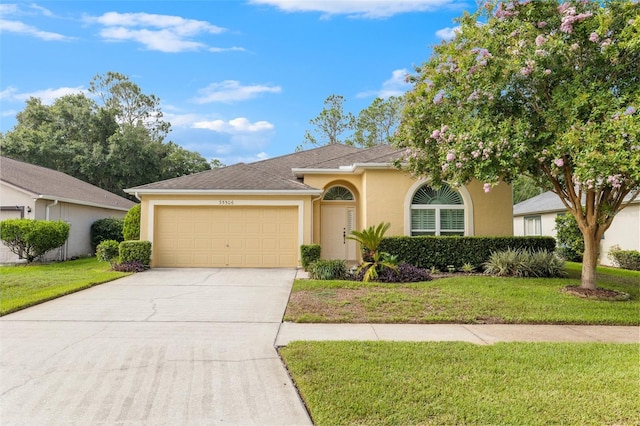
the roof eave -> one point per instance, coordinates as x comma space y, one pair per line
354, 168
137, 192
81, 203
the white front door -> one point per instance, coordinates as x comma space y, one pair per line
336, 224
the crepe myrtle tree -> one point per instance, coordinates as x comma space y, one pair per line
544, 88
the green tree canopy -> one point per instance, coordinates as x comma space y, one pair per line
116, 145
540, 88
374, 125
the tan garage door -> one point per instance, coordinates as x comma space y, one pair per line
229, 236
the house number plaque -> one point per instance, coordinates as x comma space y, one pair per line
225, 202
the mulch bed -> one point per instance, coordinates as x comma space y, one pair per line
598, 293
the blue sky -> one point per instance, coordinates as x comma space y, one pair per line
238, 80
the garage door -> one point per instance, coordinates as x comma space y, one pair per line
230, 236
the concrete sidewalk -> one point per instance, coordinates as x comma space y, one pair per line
482, 334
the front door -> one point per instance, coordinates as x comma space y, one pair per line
336, 224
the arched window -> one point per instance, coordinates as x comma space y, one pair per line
437, 211
338, 193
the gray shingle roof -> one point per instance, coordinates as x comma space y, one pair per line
275, 173
377, 155
241, 177
547, 202
51, 184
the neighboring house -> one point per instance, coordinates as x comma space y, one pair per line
34, 192
258, 214
537, 216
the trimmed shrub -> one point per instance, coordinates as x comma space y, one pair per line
440, 252
570, 239
309, 253
625, 259
404, 273
31, 239
109, 228
131, 226
134, 266
135, 251
328, 269
525, 263
108, 251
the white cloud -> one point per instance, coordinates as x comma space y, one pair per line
164, 33
8, 9
357, 8
232, 91
447, 33
236, 126
244, 135
394, 86
18, 27
47, 96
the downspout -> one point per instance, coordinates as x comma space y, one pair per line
135, 194
47, 215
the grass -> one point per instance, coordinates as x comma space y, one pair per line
445, 383
22, 286
467, 299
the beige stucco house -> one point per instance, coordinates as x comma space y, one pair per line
258, 214
34, 192
537, 216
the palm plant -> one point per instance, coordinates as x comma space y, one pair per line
378, 261
370, 239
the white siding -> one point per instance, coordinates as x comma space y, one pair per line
624, 231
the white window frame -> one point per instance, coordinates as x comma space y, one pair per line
466, 200
536, 220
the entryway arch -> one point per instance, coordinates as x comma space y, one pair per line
337, 219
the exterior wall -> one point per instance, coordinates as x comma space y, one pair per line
548, 224
381, 196
149, 202
12, 197
624, 231
78, 216
493, 211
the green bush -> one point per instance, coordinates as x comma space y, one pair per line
525, 263
109, 228
31, 239
570, 239
108, 251
625, 259
135, 251
309, 253
331, 269
131, 227
441, 252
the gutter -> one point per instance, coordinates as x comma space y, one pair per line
137, 192
82, 203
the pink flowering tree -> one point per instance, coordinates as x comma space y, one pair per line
540, 88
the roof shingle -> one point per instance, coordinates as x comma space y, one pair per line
48, 183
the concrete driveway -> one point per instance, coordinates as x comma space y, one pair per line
167, 346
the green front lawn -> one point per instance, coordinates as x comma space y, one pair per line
445, 383
467, 299
22, 286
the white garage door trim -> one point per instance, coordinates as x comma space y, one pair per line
227, 203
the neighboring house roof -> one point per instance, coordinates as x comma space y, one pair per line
547, 202
50, 184
275, 174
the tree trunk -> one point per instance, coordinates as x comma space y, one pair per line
589, 261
